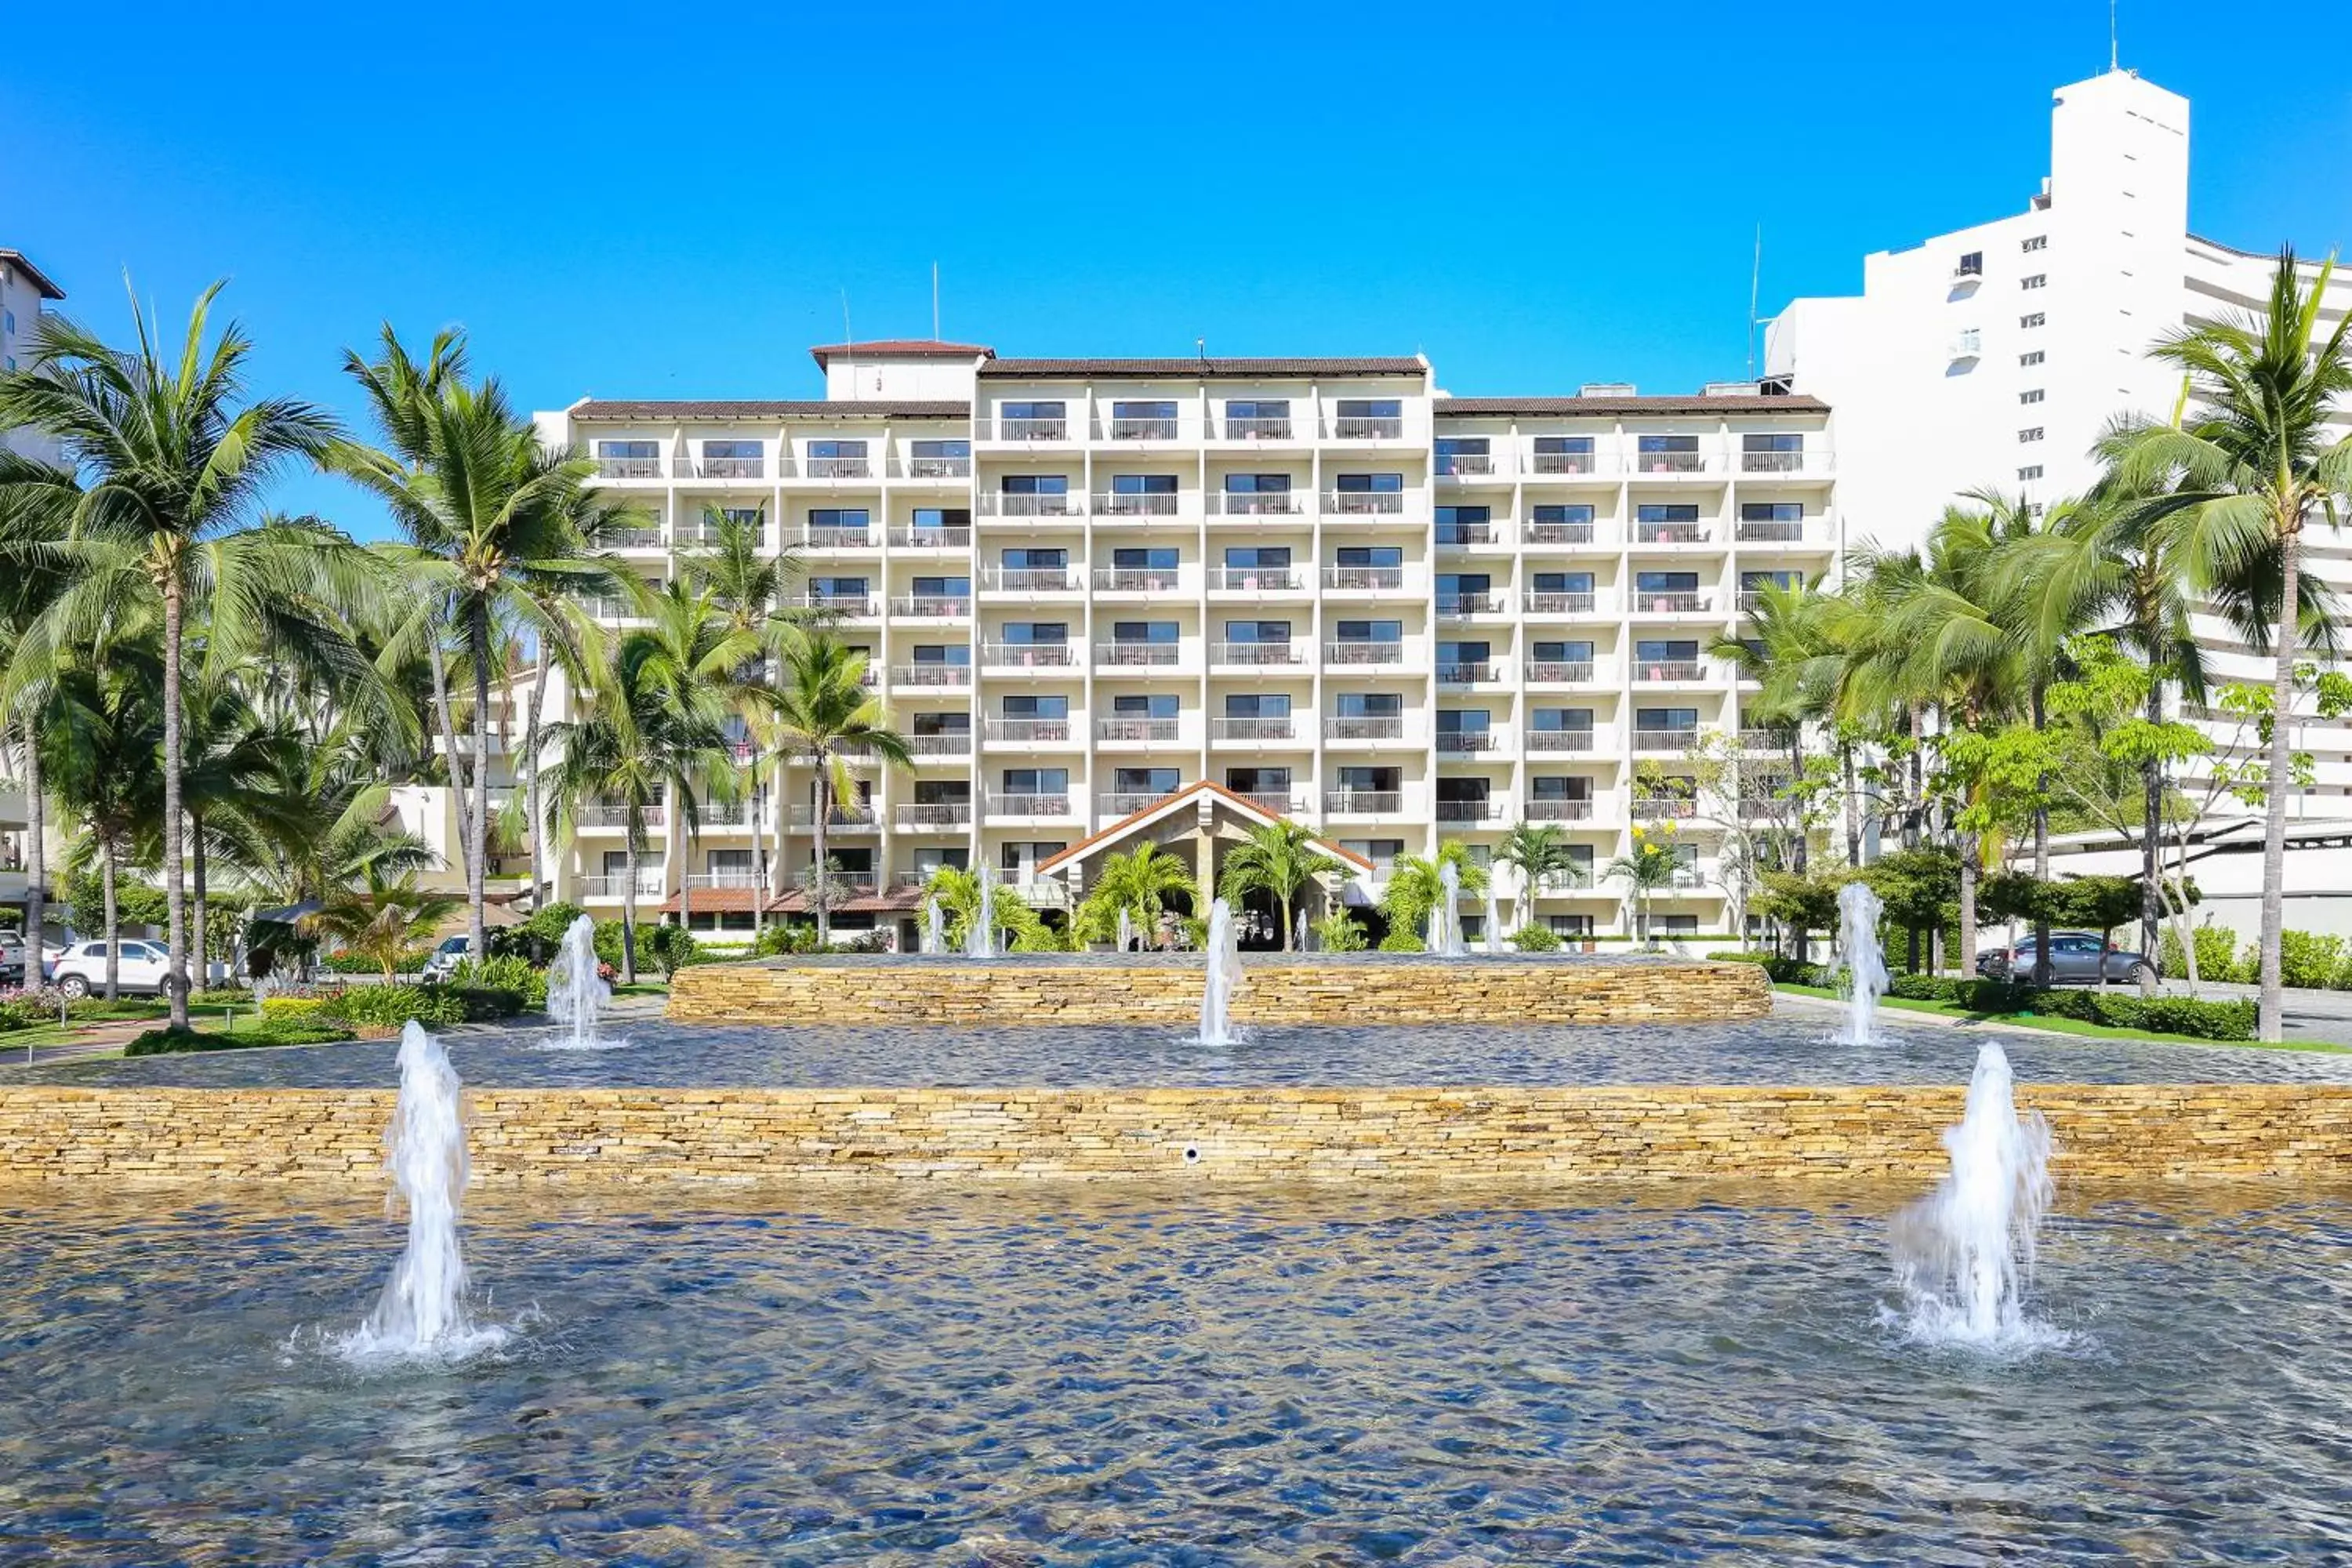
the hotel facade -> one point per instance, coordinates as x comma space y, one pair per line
1097, 594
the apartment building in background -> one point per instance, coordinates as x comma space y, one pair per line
1994, 356
26, 293
1110, 599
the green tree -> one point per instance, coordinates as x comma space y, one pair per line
390, 919
1281, 860
2252, 469
1142, 881
1650, 866
1416, 884
698, 656
821, 709
100, 743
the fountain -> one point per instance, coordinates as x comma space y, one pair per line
1126, 930
575, 992
1445, 920
934, 935
1225, 976
423, 1311
979, 942
1494, 918
1964, 1253
1860, 959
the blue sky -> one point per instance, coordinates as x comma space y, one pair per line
635, 202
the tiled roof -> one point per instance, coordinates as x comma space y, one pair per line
1606, 407
1203, 369
627, 412
1239, 802
33, 275
901, 348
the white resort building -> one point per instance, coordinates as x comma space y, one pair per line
1994, 356
1098, 595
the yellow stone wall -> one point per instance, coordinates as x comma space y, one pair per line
1038, 991
2136, 1132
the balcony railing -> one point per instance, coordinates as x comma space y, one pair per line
930, 675
840, 539
1757, 530
1364, 727
1464, 674
1669, 533
607, 815
1750, 599
1026, 430
1027, 654
628, 468
1029, 579
1563, 463
1364, 428
1763, 808
934, 468
1559, 534
1670, 462
932, 606
1669, 603
1253, 580
1363, 503
931, 538
1363, 802
1466, 534
1469, 810
946, 744
1472, 465
1137, 579
1772, 462
729, 877
1261, 729
1559, 740
1125, 802
1256, 503
1029, 730
1466, 740
1256, 653
1652, 808
1116, 728
731, 468
1122, 503
1030, 803
1770, 740
1668, 670
1138, 655
1008, 503
613, 885
632, 539
852, 604
1366, 651
840, 468
1151, 427
1363, 579
933, 813
1256, 429
1555, 809
1278, 802
1573, 878
1456, 606
1563, 672
835, 817
1665, 740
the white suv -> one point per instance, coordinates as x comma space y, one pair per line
80, 970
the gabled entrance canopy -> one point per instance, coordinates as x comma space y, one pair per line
1206, 814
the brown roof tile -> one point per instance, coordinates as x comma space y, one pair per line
901, 348
639, 412
1611, 408
33, 275
1201, 368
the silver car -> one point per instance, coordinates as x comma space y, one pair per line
2073, 961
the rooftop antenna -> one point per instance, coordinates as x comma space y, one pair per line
935, 301
1201, 347
2111, 35
1755, 278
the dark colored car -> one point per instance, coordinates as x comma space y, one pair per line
2073, 961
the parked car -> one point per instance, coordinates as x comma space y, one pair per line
12, 959
2073, 961
453, 951
139, 966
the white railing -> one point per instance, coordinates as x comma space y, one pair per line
1543, 602
1026, 655
930, 675
1670, 462
1557, 810
1266, 729
733, 877
607, 815
1133, 655
1460, 534
933, 813
628, 468
613, 885
1464, 672
1649, 604
931, 607
1363, 802
1267, 429
1563, 671
1676, 533
1030, 803
1564, 463
852, 604
1473, 465
1279, 803
1253, 580
839, 538
835, 816
1138, 579
1669, 669
839, 469
1557, 741
1488, 810
1364, 652
1559, 533
1763, 740
950, 743
1760, 530
1125, 728
1363, 579
1029, 579
1139, 428
1029, 731
1126, 803
1055, 429
1125, 503
632, 538
1665, 740
731, 468
1256, 503
1364, 428
1797, 462
1456, 606
1364, 727
1256, 653
1009, 503
1466, 740
1654, 807
1363, 503
932, 469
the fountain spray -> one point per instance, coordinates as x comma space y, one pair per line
577, 994
1860, 958
1225, 976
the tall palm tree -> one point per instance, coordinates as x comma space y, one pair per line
174, 462
1535, 850
706, 664
1141, 881
822, 710
1650, 866
2250, 469
493, 520
1416, 884
1280, 859
102, 740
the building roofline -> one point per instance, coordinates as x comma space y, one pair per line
626, 411
900, 348
34, 275
1204, 369
1490, 407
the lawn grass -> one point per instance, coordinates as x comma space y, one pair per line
2066, 1026
643, 988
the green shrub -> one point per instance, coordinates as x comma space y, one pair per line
358, 963
292, 1009
389, 1007
1536, 939
222, 996
166, 1042
1339, 932
1403, 941
504, 972
1741, 955
670, 948
17, 1015
2309, 960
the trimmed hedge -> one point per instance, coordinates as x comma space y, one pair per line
1536, 939
436, 1006
168, 1042
1402, 942
2087, 1005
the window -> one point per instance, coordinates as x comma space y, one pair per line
1258, 632
1368, 555
942, 723
2032, 435
1036, 484
1260, 408
940, 449
1257, 705
957, 654
1162, 633
1036, 780
1257, 484
836, 459
1577, 516
1154, 705
932, 518
2030, 471
1145, 781
1035, 708
1370, 631
1464, 454
942, 587
1563, 583
2034, 242
1368, 484
2035, 320
1464, 524
1561, 721
1157, 558
1675, 512
1250, 419
1033, 559
1772, 512
1250, 557
1143, 421
2033, 395
1036, 632
2039, 280
1367, 704
852, 518
1143, 484
1368, 416
1971, 265
1033, 410
938, 459
734, 449
1665, 581
2033, 356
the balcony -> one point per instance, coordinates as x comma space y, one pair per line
731, 468
1030, 803
1128, 730
1557, 740
1542, 601
1363, 503
1120, 503
1559, 534
1364, 428
606, 814
1364, 579
840, 539
1563, 672
1466, 740
631, 539
1026, 429
1488, 810
1138, 579
1771, 741
931, 538
1763, 808
1364, 727
1461, 674
1027, 654
1138, 655
1029, 579
853, 817
735, 877
1262, 729
933, 468
1668, 670
1554, 809
1126, 802
934, 814
1363, 803
946, 744
1663, 807
1564, 463
1458, 607
1758, 531
1572, 880
1473, 465
628, 468
1255, 580
1772, 462
1275, 802
930, 675
1466, 533
1256, 653
1029, 731
1669, 533
838, 469
932, 606
1351, 651
1151, 427
1676, 741
1648, 604
1007, 503
1256, 429
616, 885
1670, 462
852, 606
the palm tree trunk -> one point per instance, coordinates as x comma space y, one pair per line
685, 883
2271, 1014
175, 890
823, 887
477, 823
199, 927
36, 857
530, 760
1285, 924
1796, 802
1853, 811
113, 922
1969, 850
629, 911
2151, 849
2041, 856
760, 867
449, 743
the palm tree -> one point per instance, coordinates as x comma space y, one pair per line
956, 892
823, 712
493, 520
1536, 850
1416, 884
1787, 646
1280, 859
390, 920
706, 664
102, 739
2249, 471
28, 535
1141, 881
1650, 866
174, 469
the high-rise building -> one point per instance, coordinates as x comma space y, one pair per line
1117, 598
25, 293
1995, 357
